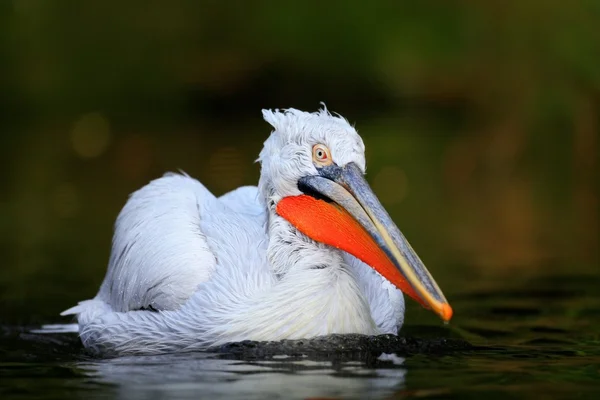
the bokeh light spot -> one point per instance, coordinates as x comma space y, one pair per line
90, 135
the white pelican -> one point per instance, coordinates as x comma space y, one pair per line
308, 252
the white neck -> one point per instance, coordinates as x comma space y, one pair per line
290, 250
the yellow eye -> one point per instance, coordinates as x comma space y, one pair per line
321, 155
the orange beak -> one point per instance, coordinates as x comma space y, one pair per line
341, 211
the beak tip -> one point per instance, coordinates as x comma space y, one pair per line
446, 312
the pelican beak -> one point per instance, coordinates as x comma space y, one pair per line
340, 209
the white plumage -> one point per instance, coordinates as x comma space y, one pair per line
189, 270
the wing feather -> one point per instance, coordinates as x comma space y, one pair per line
159, 254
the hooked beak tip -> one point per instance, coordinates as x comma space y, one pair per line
446, 312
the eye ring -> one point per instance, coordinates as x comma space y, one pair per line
321, 155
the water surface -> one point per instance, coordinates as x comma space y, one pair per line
536, 338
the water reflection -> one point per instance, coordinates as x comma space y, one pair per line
189, 375
526, 343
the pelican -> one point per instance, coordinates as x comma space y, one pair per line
308, 252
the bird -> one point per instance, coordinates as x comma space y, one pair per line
309, 251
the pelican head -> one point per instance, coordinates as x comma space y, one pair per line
312, 175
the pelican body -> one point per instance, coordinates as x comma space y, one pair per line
310, 251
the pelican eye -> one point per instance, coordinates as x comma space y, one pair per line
321, 155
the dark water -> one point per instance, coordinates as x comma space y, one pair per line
538, 338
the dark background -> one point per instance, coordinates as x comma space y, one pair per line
480, 119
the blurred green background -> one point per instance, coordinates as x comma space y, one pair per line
480, 119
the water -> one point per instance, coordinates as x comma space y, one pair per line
538, 338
